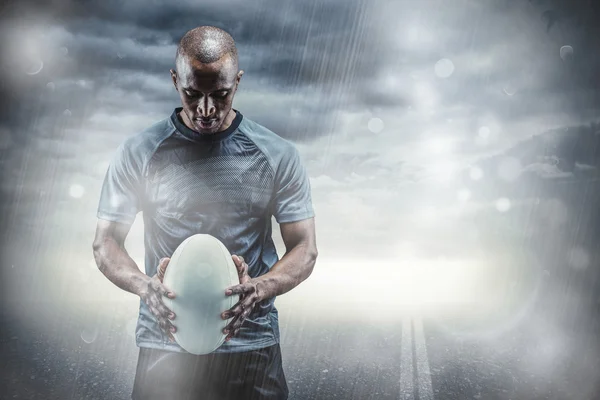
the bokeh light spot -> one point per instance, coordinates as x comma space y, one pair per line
566, 52
375, 125
444, 68
76, 191
89, 335
503, 204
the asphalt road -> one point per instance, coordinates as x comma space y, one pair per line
550, 353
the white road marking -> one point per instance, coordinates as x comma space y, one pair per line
424, 387
407, 389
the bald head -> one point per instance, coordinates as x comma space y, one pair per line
206, 44
206, 76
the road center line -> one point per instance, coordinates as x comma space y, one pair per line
424, 387
407, 389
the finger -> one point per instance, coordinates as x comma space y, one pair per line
239, 289
163, 289
156, 301
243, 273
154, 311
237, 320
230, 326
167, 327
231, 335
164, 311
246, 303
241, 266
228, 333
233, 326
162, 267
243, 306
240, 320
238, 260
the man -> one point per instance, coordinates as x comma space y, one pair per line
208, 169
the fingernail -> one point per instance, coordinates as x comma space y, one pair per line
228, 291
172, 316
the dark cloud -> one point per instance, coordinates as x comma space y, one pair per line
305, 63
302, 42
576, 23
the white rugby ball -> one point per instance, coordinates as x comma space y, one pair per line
199, 271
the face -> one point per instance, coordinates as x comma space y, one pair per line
206, 92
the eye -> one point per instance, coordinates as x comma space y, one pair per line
190, 94
222, 94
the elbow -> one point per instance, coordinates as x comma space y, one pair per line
312, 255
96, 246
97, 250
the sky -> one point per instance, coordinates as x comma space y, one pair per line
440, 137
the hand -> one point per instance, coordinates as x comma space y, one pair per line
249, 296
152, 294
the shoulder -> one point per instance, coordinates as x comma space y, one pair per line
274, 147
140, 146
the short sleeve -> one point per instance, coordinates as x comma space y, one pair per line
293, 200
120, 198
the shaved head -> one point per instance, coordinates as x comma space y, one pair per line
206, 44
206, 76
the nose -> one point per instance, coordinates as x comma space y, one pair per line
206, 108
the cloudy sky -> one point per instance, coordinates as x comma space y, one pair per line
438, 135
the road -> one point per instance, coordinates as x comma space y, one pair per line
550, 353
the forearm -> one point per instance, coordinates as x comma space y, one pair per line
114, 262
293, 268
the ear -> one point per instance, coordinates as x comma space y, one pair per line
174, 78
238, 78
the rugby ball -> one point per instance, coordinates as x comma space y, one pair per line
199, 271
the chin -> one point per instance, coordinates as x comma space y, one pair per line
213, 129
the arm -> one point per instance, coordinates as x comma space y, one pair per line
113, 260
293, 268
296, 265
116, 264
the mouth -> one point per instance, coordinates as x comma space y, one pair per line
206, 123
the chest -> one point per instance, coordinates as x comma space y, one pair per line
182, 183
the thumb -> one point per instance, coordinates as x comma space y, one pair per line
242, 268
162, 268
